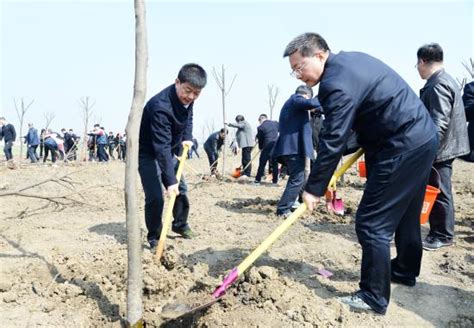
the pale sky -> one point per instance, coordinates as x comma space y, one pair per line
58, 51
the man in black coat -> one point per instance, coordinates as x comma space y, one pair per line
167, 124
360, 93
267, 135
468, 100
213, 146
442, 98
8, 133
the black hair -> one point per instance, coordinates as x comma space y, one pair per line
239, 118
193, 74
263, 116
306, 44
224, 130
431, 52
304, 90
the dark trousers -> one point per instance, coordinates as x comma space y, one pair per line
191, 151
391, 204
442, 213
33, 156
295, 170
265, 156
150, 174
101, 154
212, 156
7, 149
41, 150
53, 150
246, 158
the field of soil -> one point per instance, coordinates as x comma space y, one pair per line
64, 262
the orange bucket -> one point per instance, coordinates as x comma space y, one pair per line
430, 198
362, 169
236, 173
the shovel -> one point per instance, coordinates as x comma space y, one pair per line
334, 203
172, 311
169, 210
238, 171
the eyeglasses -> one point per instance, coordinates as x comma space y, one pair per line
296, 73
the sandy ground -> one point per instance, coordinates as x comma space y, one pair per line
65, 265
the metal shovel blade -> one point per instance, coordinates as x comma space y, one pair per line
180, 310
338, 206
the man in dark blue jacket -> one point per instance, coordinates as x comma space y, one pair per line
32, 142
468, 100
167, 124
295, 143
361, 93
267, 135
8, 133
213, 146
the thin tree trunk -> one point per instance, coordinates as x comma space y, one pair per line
135, 275
224, 146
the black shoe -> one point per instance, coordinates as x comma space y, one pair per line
432, 243
186, 233
283, 215
403, 281
355, 303
153, 245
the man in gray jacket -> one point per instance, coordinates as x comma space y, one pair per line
245, 140
442, 98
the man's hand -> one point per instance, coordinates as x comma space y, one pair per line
187, 142
310, 200
172, 189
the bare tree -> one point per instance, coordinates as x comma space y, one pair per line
469, 67
470, 70
134, 284
209, 126
86, 110
20, 112
220, 80
272, 96
48, 117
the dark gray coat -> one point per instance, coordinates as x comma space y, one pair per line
442, 98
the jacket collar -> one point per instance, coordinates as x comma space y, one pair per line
433, 79
177, 105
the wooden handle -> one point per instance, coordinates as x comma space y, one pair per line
169, 210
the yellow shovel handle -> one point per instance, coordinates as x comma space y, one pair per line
345, 167
169, 210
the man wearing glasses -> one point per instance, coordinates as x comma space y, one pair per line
361, 93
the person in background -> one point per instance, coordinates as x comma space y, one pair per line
194, 149
32, 142
167, 126
267, 135
213, 146
442, 98
41, 145
111, 143
245, 140
295, 144
468, 99
359, 92
8, 134
101, 142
